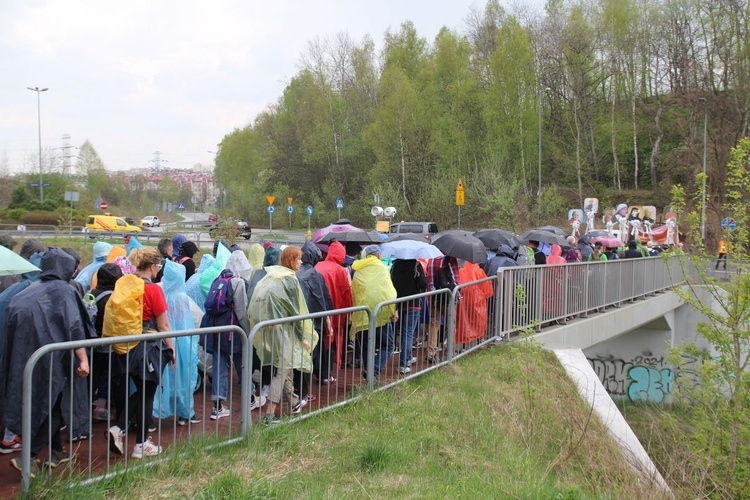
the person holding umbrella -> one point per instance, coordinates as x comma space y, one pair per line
442, 273
408, 278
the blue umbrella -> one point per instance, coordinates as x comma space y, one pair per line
409, 249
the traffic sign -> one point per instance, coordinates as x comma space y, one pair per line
36, 184
270, 209
103, 205
181, 206
460, 193
270, 199
289, 200
309, 209
339, 204
728, 222
290, 209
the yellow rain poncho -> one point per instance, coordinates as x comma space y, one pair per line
289, 345
371, 285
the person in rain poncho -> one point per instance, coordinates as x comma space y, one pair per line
317, 299
239, 265
48, 311
175, 396
552, 283
255, 256
471, 312
177, 241
271, 258
372, 285
101, 251
10, 441
187, 250
339, 285
503, 258
286, 346
193, 284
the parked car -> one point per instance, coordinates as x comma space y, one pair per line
213, 218
150, 221
110, 224
129, 220
426, 229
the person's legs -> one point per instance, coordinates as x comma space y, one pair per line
141, 406
220, 380
384, 339
436, 313
121, 391
409, 323
42, 437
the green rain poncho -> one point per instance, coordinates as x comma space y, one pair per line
278, 295
371, 285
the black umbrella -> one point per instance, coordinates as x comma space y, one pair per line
360, 237
543, 236
554, 229
493, 238
406, 236
461, 245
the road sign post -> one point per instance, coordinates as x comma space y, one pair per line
309, 214
290, 210
339, 206
270, 218
459, 200
71, 196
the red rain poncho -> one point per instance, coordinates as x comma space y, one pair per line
471, 313
339, 286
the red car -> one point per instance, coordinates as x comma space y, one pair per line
213, 218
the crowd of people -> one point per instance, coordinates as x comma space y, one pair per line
133, 289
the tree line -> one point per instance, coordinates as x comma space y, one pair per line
618, 90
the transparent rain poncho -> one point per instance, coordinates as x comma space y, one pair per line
178, 382
289, 345
239, 265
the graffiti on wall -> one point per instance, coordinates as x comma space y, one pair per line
643, 378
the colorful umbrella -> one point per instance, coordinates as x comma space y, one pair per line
409, 249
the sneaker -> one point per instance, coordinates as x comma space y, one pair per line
296, 409
328, 380
101, 414
350, 345
431, 360
57, 458
220, 412
404, 369
271, 419
195, 419
116, 436
152, 427
34, 470
146, 449
258, 401
10, 446
80, 437
417, 344
412, 361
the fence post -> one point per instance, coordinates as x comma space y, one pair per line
370, 362
451, 322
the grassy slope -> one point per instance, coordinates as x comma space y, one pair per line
505, 422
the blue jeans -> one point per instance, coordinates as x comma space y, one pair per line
409, 322
221, 374
384, 341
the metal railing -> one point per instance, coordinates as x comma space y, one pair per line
433, 329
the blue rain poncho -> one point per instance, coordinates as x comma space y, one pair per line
101, 250
178, 382
289, 345
193, 285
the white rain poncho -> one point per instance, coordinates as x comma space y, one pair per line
279, 295
178, 382
239, 265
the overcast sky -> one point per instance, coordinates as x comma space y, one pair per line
141, 76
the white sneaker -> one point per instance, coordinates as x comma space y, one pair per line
405, 369
116, 437
220, 412
146, 449
413, 360
258, 402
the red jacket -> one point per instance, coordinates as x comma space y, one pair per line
339, 286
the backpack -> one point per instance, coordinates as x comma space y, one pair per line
444, 279
183, 260
124, 312
525, 256
220, 298
91, 303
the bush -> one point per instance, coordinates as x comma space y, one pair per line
45, 218
12, 215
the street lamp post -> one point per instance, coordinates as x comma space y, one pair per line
39, 120
539, 185
703, 193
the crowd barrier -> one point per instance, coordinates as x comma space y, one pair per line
357, 349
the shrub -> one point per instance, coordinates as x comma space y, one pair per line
45, 218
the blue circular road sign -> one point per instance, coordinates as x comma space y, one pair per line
270, 209
309, 209
290, 209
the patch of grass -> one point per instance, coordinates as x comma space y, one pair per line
504, 422
271, 236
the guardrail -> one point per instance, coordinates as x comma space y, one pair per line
376, 350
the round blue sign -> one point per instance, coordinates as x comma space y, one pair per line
290, 209
270, 209
309, 209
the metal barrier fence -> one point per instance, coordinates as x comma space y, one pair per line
357, 349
